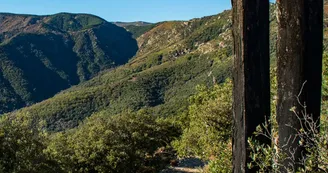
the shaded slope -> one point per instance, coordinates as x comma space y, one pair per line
42, 55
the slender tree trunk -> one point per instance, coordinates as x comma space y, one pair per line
299, 58
251, 90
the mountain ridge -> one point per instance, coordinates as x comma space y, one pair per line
136, 23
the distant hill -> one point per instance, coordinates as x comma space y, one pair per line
137, 23
136, 28
42, 55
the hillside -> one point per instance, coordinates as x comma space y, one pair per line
42, 55
173, 58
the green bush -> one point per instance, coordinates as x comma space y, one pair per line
121, 143
208, 126
21, 146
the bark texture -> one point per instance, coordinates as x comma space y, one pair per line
299, 73
251, 90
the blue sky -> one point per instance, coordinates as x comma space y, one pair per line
121, 10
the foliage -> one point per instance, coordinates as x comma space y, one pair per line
128, 142
221, 164
315, 159
312, 137
207, 127
325, 77
21, 146
121, 143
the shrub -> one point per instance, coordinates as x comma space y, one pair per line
21, 146
121, 143
207, 133
312, 137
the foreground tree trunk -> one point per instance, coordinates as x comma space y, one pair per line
251, 90
299, 58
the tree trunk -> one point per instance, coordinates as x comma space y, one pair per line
299, 60
251, 73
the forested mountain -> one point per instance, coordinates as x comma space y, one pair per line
42, 55
173, 58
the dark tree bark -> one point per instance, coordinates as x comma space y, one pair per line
299, 60
251, 90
